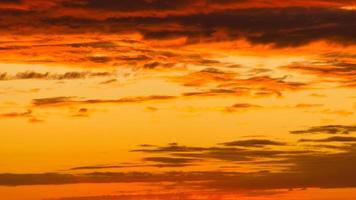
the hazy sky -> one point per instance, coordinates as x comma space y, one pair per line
177, 99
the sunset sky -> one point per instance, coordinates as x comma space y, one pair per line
177, 100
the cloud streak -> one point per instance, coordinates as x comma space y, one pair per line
51, 76
329, 129
65, 101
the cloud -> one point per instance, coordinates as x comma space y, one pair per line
280, 27
16, 114
10, 1
229, 84
62, 101
29, 115
157, 162
96, 44
128, 6
329, 129
214, 92
307, 171
99, 59
206, 76
82, 112
229, 152
307, 105
172, 161
103, 167
104, 26
330, 69
300, 168
109, 81
53, 76
253, 143
331, 139
158, 196
241, 106
173, 147
52, 101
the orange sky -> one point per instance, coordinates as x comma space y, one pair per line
178, 99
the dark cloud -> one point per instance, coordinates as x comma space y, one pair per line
60, 101
29, 115
335, 70
241, 106
281, 27
52, 101
254, 143
329, 129
108, 167
136, 58
170, 148
16, 114
184, 5
37, 44
231, 151
153, 65
10, 1
312, 171
100, 59
239, 154
214, 92
158, 196
109, 81
53, 76
99, 44
302, 169
96, 167
127, 5
172, 160
82, 112
157, 162
331, 139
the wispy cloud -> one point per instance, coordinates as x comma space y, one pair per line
329, 129
61, 101
50, 76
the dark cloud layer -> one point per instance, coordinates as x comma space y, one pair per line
334, 68
304, 164
52, 76
60, 101
128, 5
329, 129
314, 170
10, 1
331, 139
282, 27
16, 114
254, 143
301, 168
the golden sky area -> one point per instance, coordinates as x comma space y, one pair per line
177, 100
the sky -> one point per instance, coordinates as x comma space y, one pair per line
177, 99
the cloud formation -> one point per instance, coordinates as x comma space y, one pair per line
242, 54
329, 129
63, 101
50, 76
253, 143
301, 167
281, 26
306, 171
